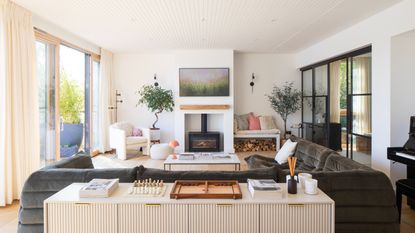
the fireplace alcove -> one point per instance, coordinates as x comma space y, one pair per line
208, 138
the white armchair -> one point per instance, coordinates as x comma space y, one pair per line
121, 139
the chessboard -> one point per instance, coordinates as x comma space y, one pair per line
147, 188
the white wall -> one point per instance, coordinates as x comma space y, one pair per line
205, 59
131, 71
63, 34
377, 31
402, 98
269, 69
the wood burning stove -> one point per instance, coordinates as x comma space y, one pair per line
204, 141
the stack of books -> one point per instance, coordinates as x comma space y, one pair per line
266, 188
99, 188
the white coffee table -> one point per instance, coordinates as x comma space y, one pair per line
233, 160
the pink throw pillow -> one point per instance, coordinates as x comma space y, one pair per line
137, 132
254, 123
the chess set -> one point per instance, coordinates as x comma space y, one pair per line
147, 188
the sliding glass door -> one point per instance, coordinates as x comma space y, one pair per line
337, 104
66, 78
46, 74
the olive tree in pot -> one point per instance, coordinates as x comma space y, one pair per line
71, 103
157, 100
285, 101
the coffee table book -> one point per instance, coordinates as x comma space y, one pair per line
264, 188
99, 188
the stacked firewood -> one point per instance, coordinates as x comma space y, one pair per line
248, 145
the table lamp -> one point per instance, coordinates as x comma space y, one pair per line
173, 144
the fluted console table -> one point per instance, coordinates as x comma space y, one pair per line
301, 213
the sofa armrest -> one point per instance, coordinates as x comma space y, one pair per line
146, 132
117, 138
79, 161
356, 187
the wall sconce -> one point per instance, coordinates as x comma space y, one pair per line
156, 84
252, 84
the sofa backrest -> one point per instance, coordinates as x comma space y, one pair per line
336, 162
310, 156
171, 176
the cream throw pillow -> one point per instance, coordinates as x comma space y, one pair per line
267, 122
287, 150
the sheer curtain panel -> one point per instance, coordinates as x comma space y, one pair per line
19, 116
106, 100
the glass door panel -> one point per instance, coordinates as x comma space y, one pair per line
308, 83
72, 100
362, 114
308, 110
360, 121
362, 73
320, 110
320, 80
45, 72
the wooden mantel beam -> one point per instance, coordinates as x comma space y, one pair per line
204, 106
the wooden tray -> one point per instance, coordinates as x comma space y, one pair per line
207, 189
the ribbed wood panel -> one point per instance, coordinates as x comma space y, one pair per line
81, 218
240, 218
310, 218
141, 218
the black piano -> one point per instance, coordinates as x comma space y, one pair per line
406, 155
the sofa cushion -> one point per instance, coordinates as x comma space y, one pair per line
135, 140
287, 150
310, 156
242, 121
267, 122
171, 176
254, 122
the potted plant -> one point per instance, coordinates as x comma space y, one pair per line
157, 100
71, 103
285, 101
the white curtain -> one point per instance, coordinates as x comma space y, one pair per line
106, 100
19, 112
335, 92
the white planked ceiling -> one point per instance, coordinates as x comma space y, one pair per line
281, 26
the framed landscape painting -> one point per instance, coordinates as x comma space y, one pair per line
204, 81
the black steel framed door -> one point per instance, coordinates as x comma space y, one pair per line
360, 108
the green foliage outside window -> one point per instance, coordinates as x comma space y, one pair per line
71, 100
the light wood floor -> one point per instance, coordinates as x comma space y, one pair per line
8, 215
